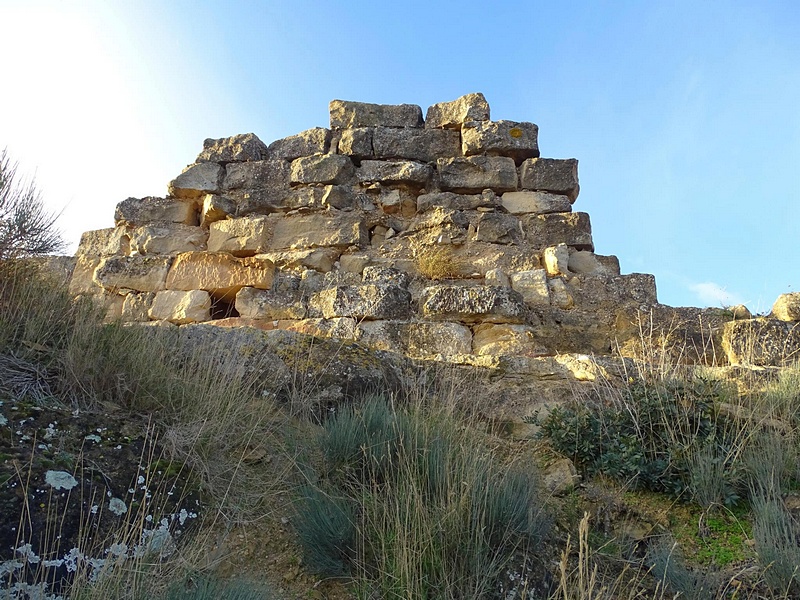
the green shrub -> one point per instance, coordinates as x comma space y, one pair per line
776, 535
209, 588
434, 512
646, 437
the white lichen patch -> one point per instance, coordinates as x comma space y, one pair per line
60, 480
117, 506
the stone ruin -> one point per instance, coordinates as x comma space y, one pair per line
447, 237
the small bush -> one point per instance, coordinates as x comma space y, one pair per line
776, 535
432, 511
644, 438
439, 262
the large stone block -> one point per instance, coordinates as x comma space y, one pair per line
257, 175
332, 228
558, 176
364, 302
197, 180
167, 238
787, 307
343, 328
237, 148
136, 306
323, 168
490, 339
316, 197
416, 339
305, 143
318, 259
104, 242
426, 145
252, 303
192, 306
221, 274
761, 342
216, 208
140, 273
356, 142
607, 292
471, 304
497, 228
572, 229
523, 203
500, 138
532, 285
451, 115
346, 115
142, 211
583, 262
476, 173
456, 201
82, 280
244, 236
394, 171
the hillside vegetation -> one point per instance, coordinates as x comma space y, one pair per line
131, 467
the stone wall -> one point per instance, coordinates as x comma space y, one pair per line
447, 236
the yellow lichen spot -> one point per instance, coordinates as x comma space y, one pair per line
515, 132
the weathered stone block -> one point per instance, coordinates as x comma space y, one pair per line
470, 304
385, 276
490, 339
104, 242
82, 280
477, 173
346, 115
426, 145
136, 306
456, 201
197, 180
787, 307
532, 285
305, 143
257, 175
761, 342
331, 228
497, 277
416, 339
221, 274
356, 142
451, 115
167, 238
252, 303
244, 236
559, 294
192, 306
364, 302
140, 273
572, 229
237, 148
141, 211
500, 138
523, 203
342, 328
610, 292
497, 228
559, 176
556, 260
395, 171
216, 208
318, 259
583, 262
323, 168
316, 198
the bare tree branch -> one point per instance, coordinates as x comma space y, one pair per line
26, 227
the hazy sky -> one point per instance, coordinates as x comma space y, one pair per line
685, 116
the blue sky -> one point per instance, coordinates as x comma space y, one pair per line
684, 115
